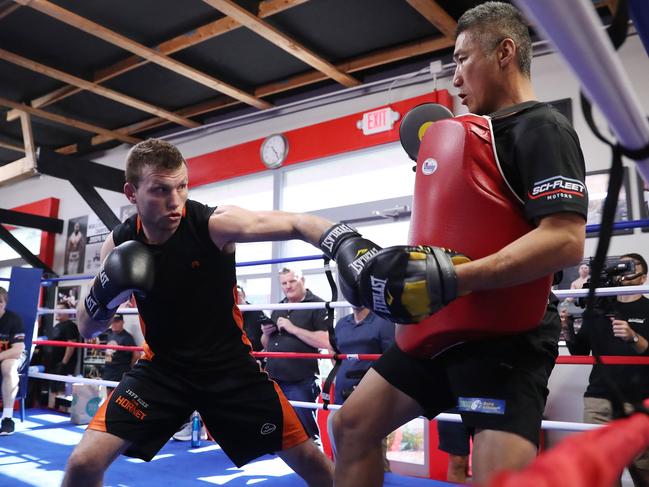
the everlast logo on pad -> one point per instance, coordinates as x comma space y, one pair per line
359, 263
378, 294
329, 241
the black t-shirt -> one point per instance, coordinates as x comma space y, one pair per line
117, 361
64, 331
188, 317
540, 157
632, 380
252, 321
11, 330
309, 319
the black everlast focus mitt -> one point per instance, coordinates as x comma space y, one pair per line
406, 284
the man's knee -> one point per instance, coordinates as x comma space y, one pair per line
349, 427
82, 463
9, 369
338, 426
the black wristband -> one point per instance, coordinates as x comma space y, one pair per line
331, 239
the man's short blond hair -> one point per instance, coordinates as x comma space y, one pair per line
156, 153
287, 270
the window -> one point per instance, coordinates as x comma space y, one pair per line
29, 237
251, 193
350, 178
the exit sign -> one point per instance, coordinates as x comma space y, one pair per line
376, 121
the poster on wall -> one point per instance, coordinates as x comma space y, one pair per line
75, 246
97, 234
643, 194
597, 184
67, 296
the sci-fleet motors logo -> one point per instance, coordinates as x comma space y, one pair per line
557, 187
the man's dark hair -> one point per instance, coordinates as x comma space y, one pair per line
159, 154
491, 22
638, 258
4, 295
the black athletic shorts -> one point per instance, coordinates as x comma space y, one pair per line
496, 384
454, 438
244, 411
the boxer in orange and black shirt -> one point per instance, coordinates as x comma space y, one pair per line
177, 256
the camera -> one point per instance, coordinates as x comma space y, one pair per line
614, 272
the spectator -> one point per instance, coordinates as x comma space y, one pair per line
297, 331
252, 321
584, 276
624, 334
12, 344
359, 332
63, 360
362, 331
118, 362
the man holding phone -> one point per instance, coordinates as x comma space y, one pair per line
296, 331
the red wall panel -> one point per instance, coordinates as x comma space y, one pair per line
307, 143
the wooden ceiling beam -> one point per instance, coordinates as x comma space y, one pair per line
94, 88
378, 58
183, 41
357, 64
28, 137
15, 148
281, 40
436, 15
97, 30
70, 122
7, 8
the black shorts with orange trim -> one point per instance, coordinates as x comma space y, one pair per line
244, 411
496, 385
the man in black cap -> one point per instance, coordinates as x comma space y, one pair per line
118, 362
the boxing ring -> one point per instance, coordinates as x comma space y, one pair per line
549, 425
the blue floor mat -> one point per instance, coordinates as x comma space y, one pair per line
36, 454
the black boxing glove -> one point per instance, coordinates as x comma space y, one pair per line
127, 269
405, 284
351, 252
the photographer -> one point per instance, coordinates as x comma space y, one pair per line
621, 328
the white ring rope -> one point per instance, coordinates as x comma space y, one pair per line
455, 418
560, 294
601, 291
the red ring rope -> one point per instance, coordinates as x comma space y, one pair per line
563, 359
594, 458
